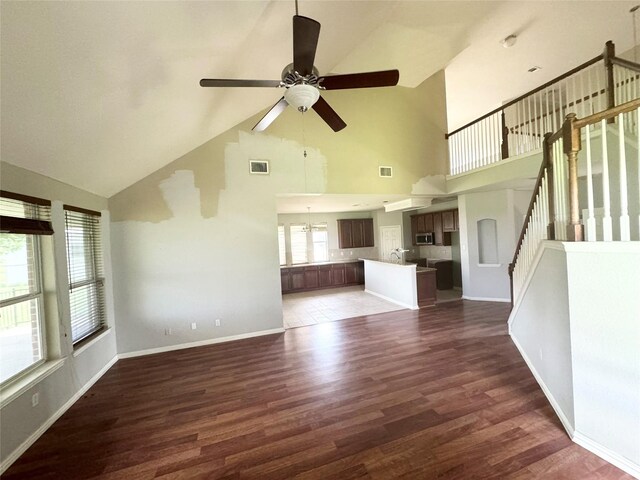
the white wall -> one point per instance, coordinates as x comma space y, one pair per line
577, 327
542, 332
21, 423
396, 283
489, 282
604, 300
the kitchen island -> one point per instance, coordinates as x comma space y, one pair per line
402, 283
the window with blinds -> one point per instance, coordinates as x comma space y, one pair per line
23, 220
86, 272
282, 251
320, 240
298, 244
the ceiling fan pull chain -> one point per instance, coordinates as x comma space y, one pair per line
304, 141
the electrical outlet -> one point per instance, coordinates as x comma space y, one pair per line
193, 325
35, 399
168, 331
351, 253
540, 353
217, 322
342, 254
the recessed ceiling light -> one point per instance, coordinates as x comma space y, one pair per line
385, 201
355, 205
534, 69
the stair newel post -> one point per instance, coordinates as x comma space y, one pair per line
572, 145
505, 136
547, 158
608, 55
511, 267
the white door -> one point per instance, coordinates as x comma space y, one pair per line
390, 239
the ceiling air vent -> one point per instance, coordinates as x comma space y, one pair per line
259, 167
385, 171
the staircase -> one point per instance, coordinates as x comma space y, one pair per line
575, 273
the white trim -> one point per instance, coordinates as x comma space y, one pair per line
200, 343
554, 404
13, 456
91, 342
388, 299
489, 265
610, 456
486, 299
21, 385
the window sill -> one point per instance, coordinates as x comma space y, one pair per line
21, 385
94, 338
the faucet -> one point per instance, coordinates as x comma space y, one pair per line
395, 252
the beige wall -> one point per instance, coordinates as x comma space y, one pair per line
197, 240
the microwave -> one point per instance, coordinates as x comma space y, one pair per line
425, 239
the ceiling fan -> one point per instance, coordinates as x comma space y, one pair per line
302, 81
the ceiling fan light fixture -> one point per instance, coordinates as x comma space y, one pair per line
302, 96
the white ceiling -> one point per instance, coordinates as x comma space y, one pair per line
101, 94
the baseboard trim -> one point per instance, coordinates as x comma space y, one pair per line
603, 452
13, 456
486, 299
200, 343
554, 404
384, 297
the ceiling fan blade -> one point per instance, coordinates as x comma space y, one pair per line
271, 115
305, 41
385, 78
223, 82
329, 115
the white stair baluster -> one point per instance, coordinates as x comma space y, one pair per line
625, 234
607, 228
591, 220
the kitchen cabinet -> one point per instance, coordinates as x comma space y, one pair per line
310, 277
324, 276
297, 279
438, 223
313, 277
444, 274
426, 287
448, 221
355, 233
351, 273
337, 275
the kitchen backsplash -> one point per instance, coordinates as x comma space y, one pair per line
347, 254
430, 251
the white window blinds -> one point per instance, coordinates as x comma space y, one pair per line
282, 252
24, 214
298, 244
320, 240
86, 272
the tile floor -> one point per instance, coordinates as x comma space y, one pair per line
310, 308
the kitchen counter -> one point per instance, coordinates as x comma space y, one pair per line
315, 264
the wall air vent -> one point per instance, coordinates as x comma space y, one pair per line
385, 171
259, 167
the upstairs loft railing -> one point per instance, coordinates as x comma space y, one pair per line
518, 126
594, 199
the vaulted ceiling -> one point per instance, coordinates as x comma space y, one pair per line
101, 94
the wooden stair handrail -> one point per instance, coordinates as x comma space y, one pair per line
535, 90
545, 161
621, 62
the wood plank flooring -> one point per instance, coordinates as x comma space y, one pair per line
440, 393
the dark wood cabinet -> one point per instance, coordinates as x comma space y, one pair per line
297, 279
438, 223
351, 273
444, 275
313, 277
337, 275
324, 276
355, 233
426, 286
285, 280
448, 221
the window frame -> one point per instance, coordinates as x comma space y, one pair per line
98, 278
282, 248
325, 228
32, 228
306, 243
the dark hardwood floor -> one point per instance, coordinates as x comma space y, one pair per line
441, 393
